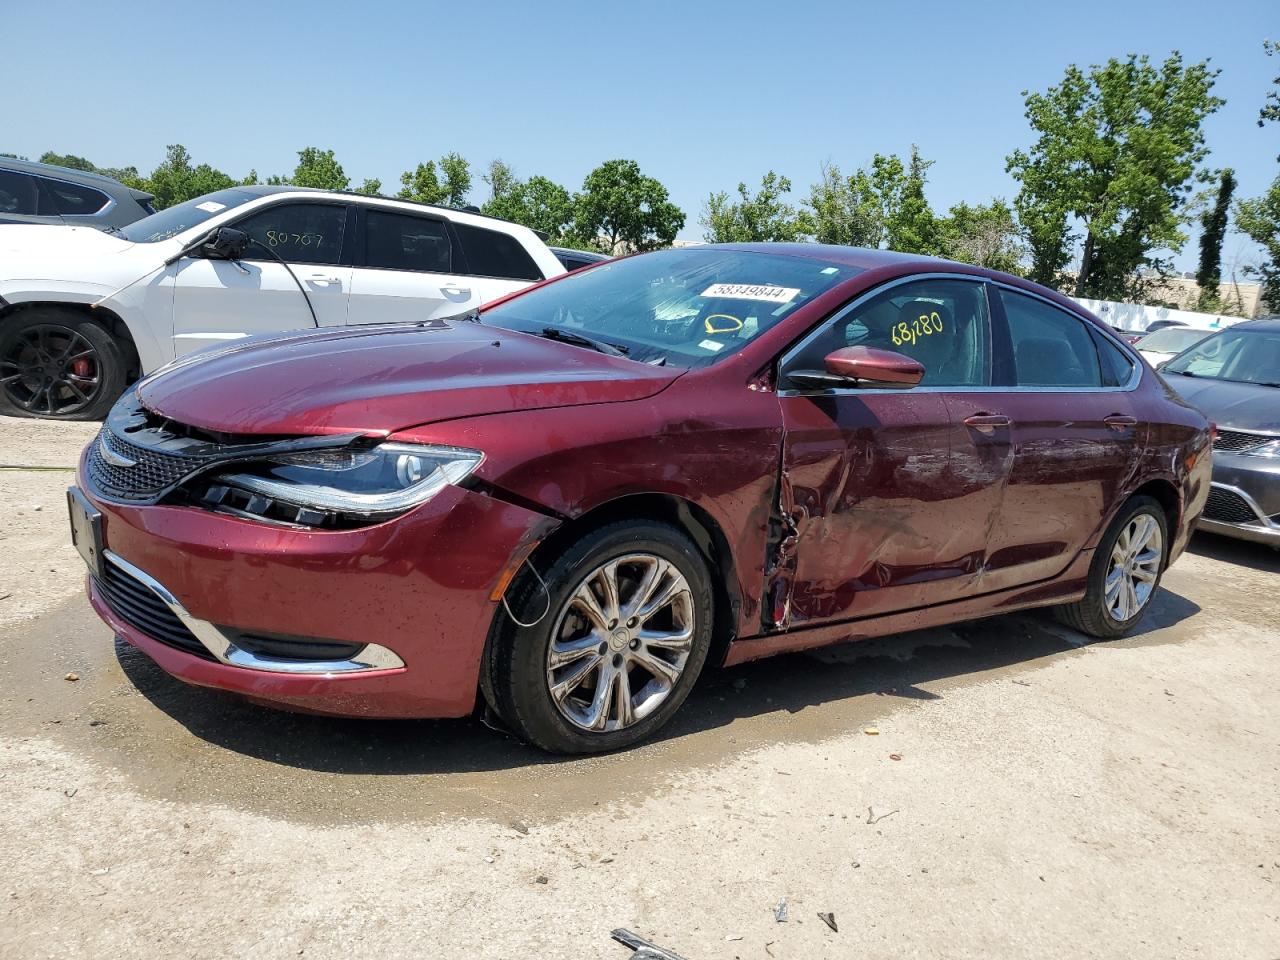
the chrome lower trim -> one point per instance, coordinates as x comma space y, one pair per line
372, 657
1263, 530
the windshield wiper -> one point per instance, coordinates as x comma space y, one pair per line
578, 340
466, 316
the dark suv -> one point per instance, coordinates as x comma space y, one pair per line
44, 193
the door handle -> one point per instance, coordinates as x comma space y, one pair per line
453, 290
1120, 422
322, 278
986, 422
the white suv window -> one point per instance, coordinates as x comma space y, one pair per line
297, 232
401, 241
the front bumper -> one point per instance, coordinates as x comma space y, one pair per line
1244, 501
413, 592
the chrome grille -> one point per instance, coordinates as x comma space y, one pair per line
151, 473
1237, 441
1226, 506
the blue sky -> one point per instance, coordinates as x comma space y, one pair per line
701, 94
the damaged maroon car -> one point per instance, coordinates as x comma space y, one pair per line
568, 506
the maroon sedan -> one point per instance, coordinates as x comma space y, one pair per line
568, 506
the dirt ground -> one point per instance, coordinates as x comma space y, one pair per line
1028, 794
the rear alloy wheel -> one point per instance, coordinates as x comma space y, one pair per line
625, 631
59, 365
1125, 572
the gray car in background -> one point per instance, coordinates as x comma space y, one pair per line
1233, 377
43, 193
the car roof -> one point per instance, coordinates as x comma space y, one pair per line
71, 175
268, 189
1269, 324
861, 257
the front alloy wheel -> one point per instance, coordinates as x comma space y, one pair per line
606, 652
621, 643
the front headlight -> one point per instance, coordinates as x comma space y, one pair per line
371, 483
1269, 449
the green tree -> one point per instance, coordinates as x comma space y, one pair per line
319, 170
1214, 229
1116, 152
175, 180
1270, 111
985, 235
620, 208
912, 227
539, 204
764, 217
126, 175
446, 185
370, 187
855, 210
1259, 219
500, 178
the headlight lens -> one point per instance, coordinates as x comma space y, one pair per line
374, 482
1269, 449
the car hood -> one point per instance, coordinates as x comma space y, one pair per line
40, 239
1242, 406
383, 379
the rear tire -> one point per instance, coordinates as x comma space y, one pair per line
1125, 574
59, 364
591, 677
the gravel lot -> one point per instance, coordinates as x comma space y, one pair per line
1027, 794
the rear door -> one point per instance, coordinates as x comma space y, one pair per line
406, 269
1062, 394
497, 262
884, 515
216, 300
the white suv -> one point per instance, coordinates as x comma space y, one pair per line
83, 311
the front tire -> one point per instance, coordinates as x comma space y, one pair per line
627, 626
1125, 572
58, 364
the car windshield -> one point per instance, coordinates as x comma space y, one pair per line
183, 216
686, 307
1243, 356
1171, 339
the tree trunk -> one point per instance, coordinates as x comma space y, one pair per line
1086, 265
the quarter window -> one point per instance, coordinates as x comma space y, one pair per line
1051, 348
943, 324
397, 241
297, 232
75, 200
493, 254
17, 194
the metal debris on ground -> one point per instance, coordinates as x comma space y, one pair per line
780, 911
872, 818
830, 920
644, 950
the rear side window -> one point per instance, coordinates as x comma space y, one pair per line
17, 194
297, 232
74, 199
1117, 368
397, 241
493, 254
1051, 348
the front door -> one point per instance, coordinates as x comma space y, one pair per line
216, 300
884, 514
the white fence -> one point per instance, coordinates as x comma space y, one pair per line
1138, 316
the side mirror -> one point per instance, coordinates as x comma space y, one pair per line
861, 367
225, 243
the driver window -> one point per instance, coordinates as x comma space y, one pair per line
944, 324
